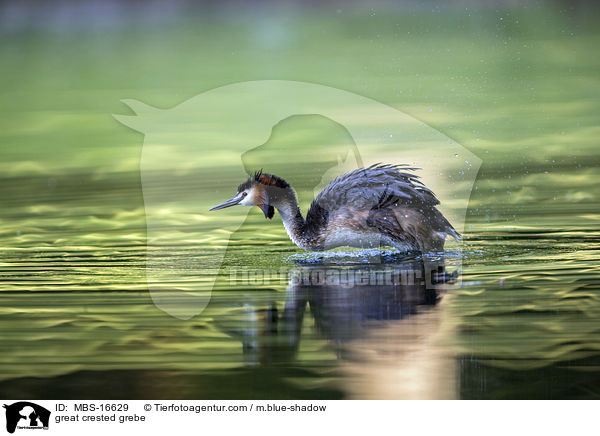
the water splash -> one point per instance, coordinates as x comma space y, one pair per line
366, 255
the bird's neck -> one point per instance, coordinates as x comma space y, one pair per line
294, 222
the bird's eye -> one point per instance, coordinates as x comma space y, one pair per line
244, 194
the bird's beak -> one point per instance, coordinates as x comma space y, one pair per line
231, 202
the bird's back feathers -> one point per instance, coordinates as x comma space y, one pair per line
385, 191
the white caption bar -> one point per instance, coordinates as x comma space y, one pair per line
150, 417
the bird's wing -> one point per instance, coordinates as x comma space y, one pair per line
383, 191
377, 186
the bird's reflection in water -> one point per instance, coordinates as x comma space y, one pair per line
383, 321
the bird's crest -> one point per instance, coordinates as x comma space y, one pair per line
263, 179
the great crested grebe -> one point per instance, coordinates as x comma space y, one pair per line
382, 205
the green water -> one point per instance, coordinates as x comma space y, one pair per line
516, 86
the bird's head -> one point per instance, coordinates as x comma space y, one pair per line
262, 190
